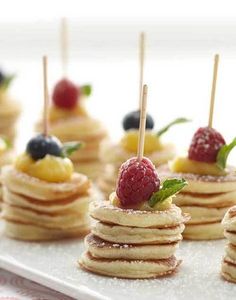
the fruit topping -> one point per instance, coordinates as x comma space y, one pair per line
50, 168
137, 181
65, 94
172, 123
38, 147
130, 141
5, 80
169, 188
41, 145
205, 145
131, 121
186, 165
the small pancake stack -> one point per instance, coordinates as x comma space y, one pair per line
228, 269
34, 209
85, 129
138, 229
206, 198
9, 109
131, 243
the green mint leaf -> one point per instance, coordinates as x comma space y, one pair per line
6, 141
86, 90
70, 147
223, 154
6, 82
169, 188
168, 126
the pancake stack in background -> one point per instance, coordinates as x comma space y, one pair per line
6, 157
228, 268
133, 243
34, 209
9, 109
87, 130
113, 155
206, 199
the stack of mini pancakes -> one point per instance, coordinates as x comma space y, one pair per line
131, 243
85, 129
113, 155
6, 157
228, 269
9, 112
206, 198
37, 210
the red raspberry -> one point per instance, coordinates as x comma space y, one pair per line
205, 145
65, 94
137, 181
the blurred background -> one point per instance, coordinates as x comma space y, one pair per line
182, 38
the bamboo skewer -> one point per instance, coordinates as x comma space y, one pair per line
64, 45
142, 124
141, 65
213, 90
46, 100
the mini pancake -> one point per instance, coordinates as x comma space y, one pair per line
93, 169
229, 220
24, 184
204, 214
136, 269
67, 205
57, 221
137, 235
231, 251
228, 269
207, 231
203, 184
100, 248
216, 200
82, 129
31, 232
115, 154
108, 213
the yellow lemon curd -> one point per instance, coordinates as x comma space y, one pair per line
186, 165
50, 168
130, 141
57, 113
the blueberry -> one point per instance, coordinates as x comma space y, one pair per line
131, 121
39, 146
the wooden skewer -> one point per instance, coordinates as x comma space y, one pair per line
46, 100
213, 90
64, 45
142, 124
141, 65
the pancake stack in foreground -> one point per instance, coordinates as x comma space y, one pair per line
211, 189
133, 237
70, 121
228, 269
9, 109
43, 198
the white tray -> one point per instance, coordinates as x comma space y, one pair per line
54, 265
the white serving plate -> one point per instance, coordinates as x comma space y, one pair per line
54, 265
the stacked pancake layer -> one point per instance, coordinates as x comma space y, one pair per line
37, 210
113, 155
5, 158
129, 243
206, 199
228, 268
9, 112
85, 129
